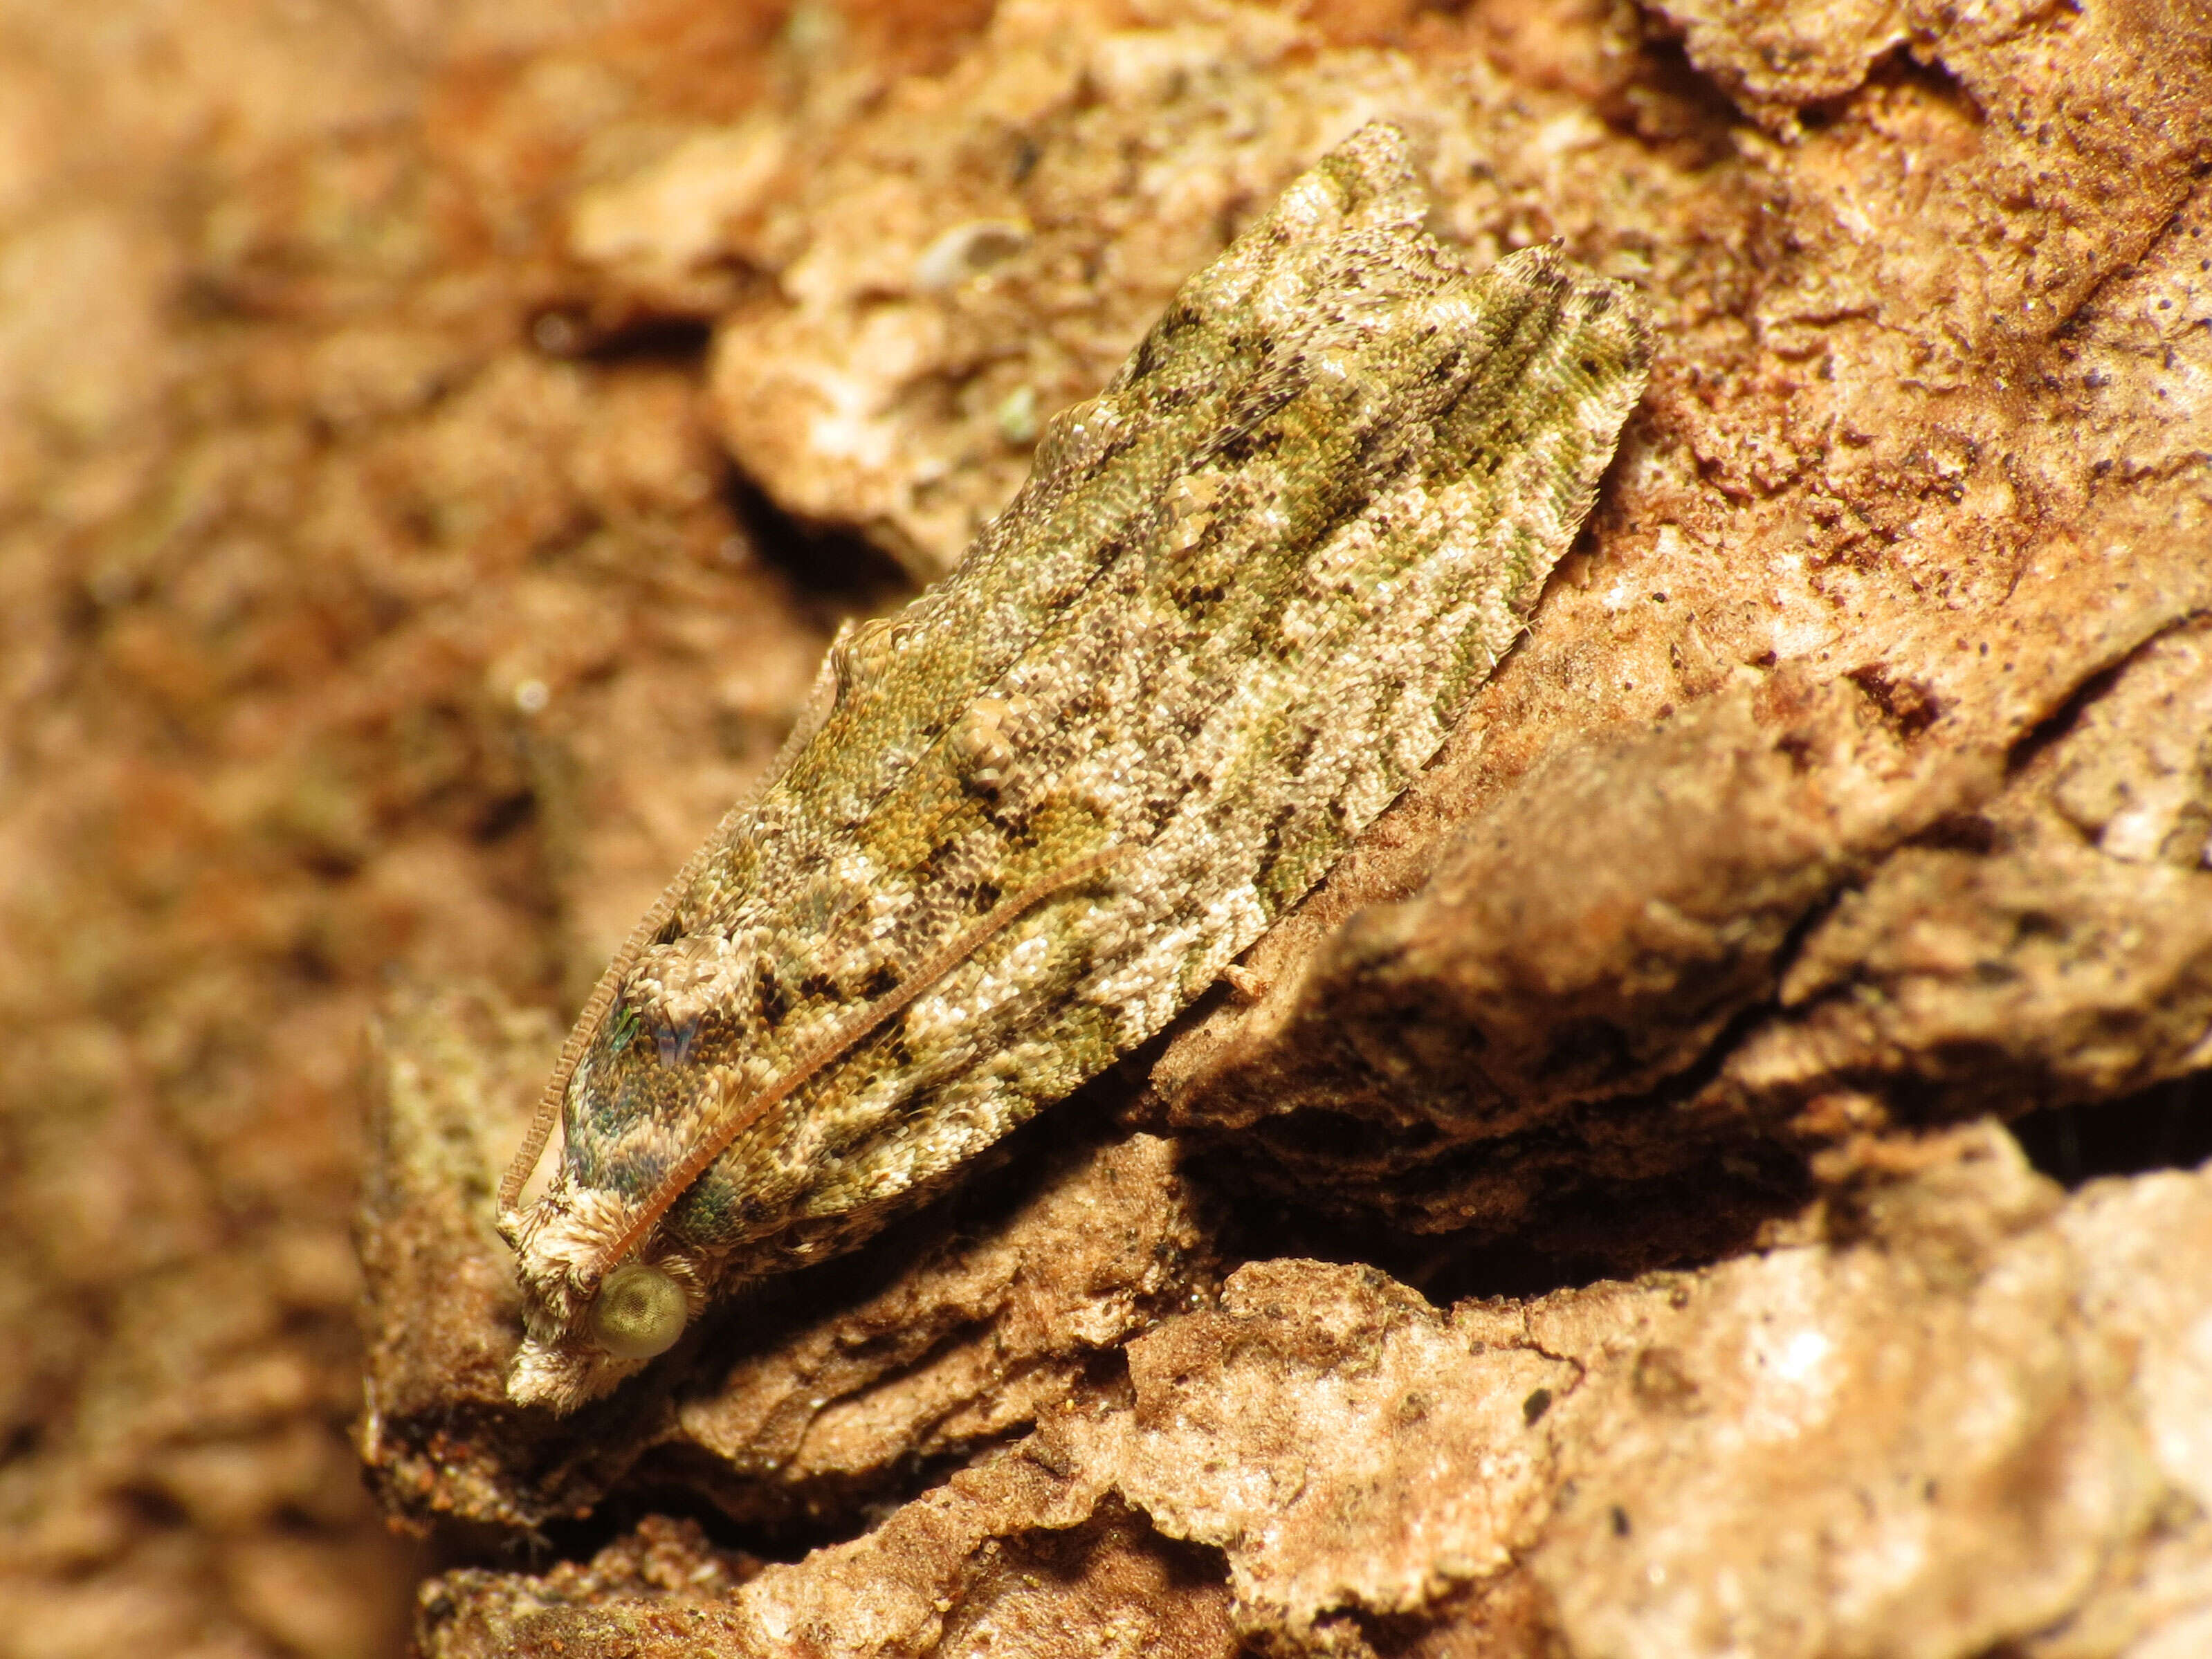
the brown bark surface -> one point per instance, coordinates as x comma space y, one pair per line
435, 445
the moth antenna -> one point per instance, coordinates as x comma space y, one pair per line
586, 1027
811, 1060
828, 681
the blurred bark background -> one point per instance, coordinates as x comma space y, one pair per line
435, 444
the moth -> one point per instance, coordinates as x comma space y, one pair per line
1243, 597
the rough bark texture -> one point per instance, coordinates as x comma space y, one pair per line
401, 413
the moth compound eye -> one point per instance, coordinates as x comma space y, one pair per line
639, 1312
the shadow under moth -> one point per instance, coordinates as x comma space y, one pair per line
1243, 597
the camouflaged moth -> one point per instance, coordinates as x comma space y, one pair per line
1243, 597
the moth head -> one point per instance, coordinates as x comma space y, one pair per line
585, 1331
639, 1312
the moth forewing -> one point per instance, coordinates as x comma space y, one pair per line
1244, 596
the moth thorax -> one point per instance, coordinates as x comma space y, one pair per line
984, 740
675, 984
864, 651
639, 1312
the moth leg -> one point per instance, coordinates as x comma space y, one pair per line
1247, 985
